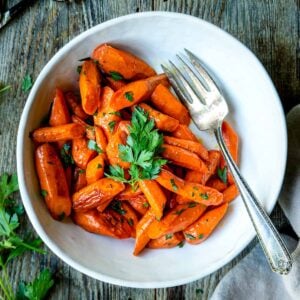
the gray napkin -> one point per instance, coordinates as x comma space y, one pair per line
252, 278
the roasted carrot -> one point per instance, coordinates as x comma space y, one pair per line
205, 225
230, 193
118, 62
217, 184
89, 86
140, 204
68, 173
129, 193
170, 240
100, 138
95, 169
136, 92
59, 112
183, 157
79, 179
75, 105
81, 153
193, 191
106, 223
155, 196
53, 181
177, 219
183, 132
92, 195
167, 103
114, 83
89, 130
58, 133
162, 122
142, 237
192, 146
103, 205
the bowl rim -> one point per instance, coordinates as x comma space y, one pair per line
20, 162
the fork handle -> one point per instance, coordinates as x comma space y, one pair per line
275, 250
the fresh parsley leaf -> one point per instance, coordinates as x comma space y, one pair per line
4, 89
129, 96
130, 222
222, 174
192, 204
168, 236
79, 68
44, 193
112, 125
116, 113
92, 145
116, 76
174, 186
146, 204
204, 196
181, 244
66, 156
27, 83
116, 173
179, 212
117, 206
190, 236
99, 166
200, 236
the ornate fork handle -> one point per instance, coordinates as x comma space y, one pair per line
272, 244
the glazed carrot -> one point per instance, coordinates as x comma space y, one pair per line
192, 146
167, 103
92, 195
59, 112
162, 122
184, 158
75, 106
155, 196
205, 225
142, 237
136, 92
89, 130
89, 86
193, 191
170, 240
80, 179
129, 193
120, 62
103, 205
217, 184
177, 219
95, 169
100, 138
115, 84
107, 223
58, 133
140, 204
53, 181
183, 132
230, 193
81, 153
68, 173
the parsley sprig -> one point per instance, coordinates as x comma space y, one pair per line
142, 149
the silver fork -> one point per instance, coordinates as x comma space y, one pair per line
208, 108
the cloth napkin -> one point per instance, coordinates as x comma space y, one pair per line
252, 277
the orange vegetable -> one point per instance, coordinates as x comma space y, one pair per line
217, 184
95, 169
183, 132
59, 112
167, 103
155, 196
184, 158
75, 106
89, 85
115, 84
193, 191
205, 225
129, 193
142, 238
230, 193
100, 138
121, 62
53, 181
136, 92
177, 219
81, 153
140, 204
58, 133
195, 147
170, 240
162, 122
79, 179
89, 130
94, 194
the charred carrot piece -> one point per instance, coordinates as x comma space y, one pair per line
79, 179
81, 153
140, 204
205, 225
115, 84
142, 238
162, 122
59, 112
183, 158
167, 103
170, 240
75, 105
195, 147
58, 133
89, 86
177, 219
116, 62
230, 193
136, 92
183, 132
155, 196
92, 195
95, 169
53, 181
217, 184
193, 191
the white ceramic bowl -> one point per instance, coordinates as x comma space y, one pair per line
256, 113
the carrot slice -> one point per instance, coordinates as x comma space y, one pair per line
140, 204
129, 193
183, 132
74, 105
53, 181
81, 153
95, 169
100, 138
217, 184
230, 193
170, 240
205, 225
79, 179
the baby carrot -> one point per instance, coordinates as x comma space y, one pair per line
74, 105
166, 241
230, 193
183, 132
95, 169
81, 153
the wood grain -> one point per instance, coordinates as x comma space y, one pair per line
269, 28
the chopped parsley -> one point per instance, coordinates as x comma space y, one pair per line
146, 204
129, 96
117, 206
181, 244
79, 68
116, 76
112, 125
92, 145
169, 236
189, 236
99, 166
204, 196
174, 186
65, 155
26, 83
44, 193
116, 113
130, 222
222, 174
192, 204
200, 236
179, 212
4, 89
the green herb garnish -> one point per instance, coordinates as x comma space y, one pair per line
168, 236
117, 206
174, 186
222, 174
130, 222
204, 196
200, 236
27, 83
146, 204
44, 193
79, 68
190, 236
179, 212
4, 89
112, 125
181, 244
99, 166
66, 156
115, 76
129, 96
92, 145
116, 113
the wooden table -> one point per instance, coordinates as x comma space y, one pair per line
269, 28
